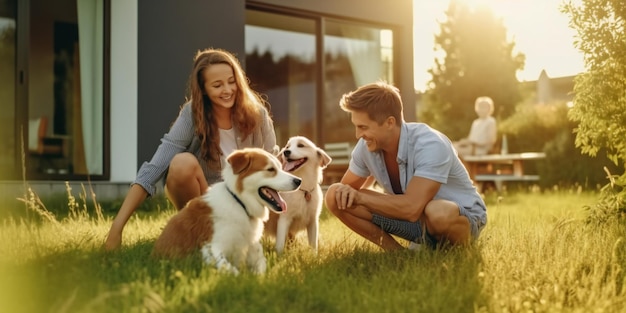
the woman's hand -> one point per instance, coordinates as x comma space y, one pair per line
113, 241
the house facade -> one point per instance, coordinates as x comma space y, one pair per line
107, 77
551, 89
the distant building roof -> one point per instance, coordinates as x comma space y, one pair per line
552, 89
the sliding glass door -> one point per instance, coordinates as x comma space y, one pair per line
305, 63
281, 63
53, 95
354, 55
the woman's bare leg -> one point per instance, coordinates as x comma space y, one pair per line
185, 180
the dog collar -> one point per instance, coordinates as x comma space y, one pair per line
239, 201
307, 193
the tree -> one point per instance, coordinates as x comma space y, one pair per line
476, 60
600, 99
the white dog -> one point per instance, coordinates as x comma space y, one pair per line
304, 159
226, 223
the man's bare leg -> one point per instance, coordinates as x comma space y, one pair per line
445, 223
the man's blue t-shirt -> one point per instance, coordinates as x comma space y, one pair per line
423, 152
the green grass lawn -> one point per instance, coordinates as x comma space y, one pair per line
535, 255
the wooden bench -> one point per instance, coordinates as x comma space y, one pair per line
500, 168
340, 152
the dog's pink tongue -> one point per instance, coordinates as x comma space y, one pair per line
279, 200
289, 166
282, 203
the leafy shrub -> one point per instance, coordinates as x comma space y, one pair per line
600, 99
611, 206
546, 127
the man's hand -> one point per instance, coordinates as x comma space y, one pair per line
346, 197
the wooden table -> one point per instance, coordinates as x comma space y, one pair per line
501, 167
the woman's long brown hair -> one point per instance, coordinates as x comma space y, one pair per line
246, 112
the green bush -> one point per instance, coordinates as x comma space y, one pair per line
546, 127
611, 206
599, 92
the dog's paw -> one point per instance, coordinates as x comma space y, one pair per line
226, 267
260, 267
219, 261
257, 263
207, 256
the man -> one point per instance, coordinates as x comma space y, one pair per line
429, 197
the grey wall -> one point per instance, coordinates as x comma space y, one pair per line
170, 33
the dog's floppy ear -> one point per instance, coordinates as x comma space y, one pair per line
239, 161
324, 158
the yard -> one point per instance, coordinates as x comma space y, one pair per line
536, 254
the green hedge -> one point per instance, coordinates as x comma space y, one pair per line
545, 127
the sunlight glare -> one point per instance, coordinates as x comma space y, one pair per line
474, 4
537, 27
386, 38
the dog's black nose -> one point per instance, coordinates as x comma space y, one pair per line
297, 181
287, 153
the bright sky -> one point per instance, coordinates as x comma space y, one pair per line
538, 28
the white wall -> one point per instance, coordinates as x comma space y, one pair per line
123, 90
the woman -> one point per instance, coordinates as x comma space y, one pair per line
222, 115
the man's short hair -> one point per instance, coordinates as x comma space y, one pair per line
380, 100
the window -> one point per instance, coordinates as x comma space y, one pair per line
354, 55
283, 61
58, 110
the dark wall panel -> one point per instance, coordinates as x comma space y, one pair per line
170, 33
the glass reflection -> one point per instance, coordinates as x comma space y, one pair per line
354, 55
281, 63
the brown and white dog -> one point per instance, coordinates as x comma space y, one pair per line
226, 223
302, 158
